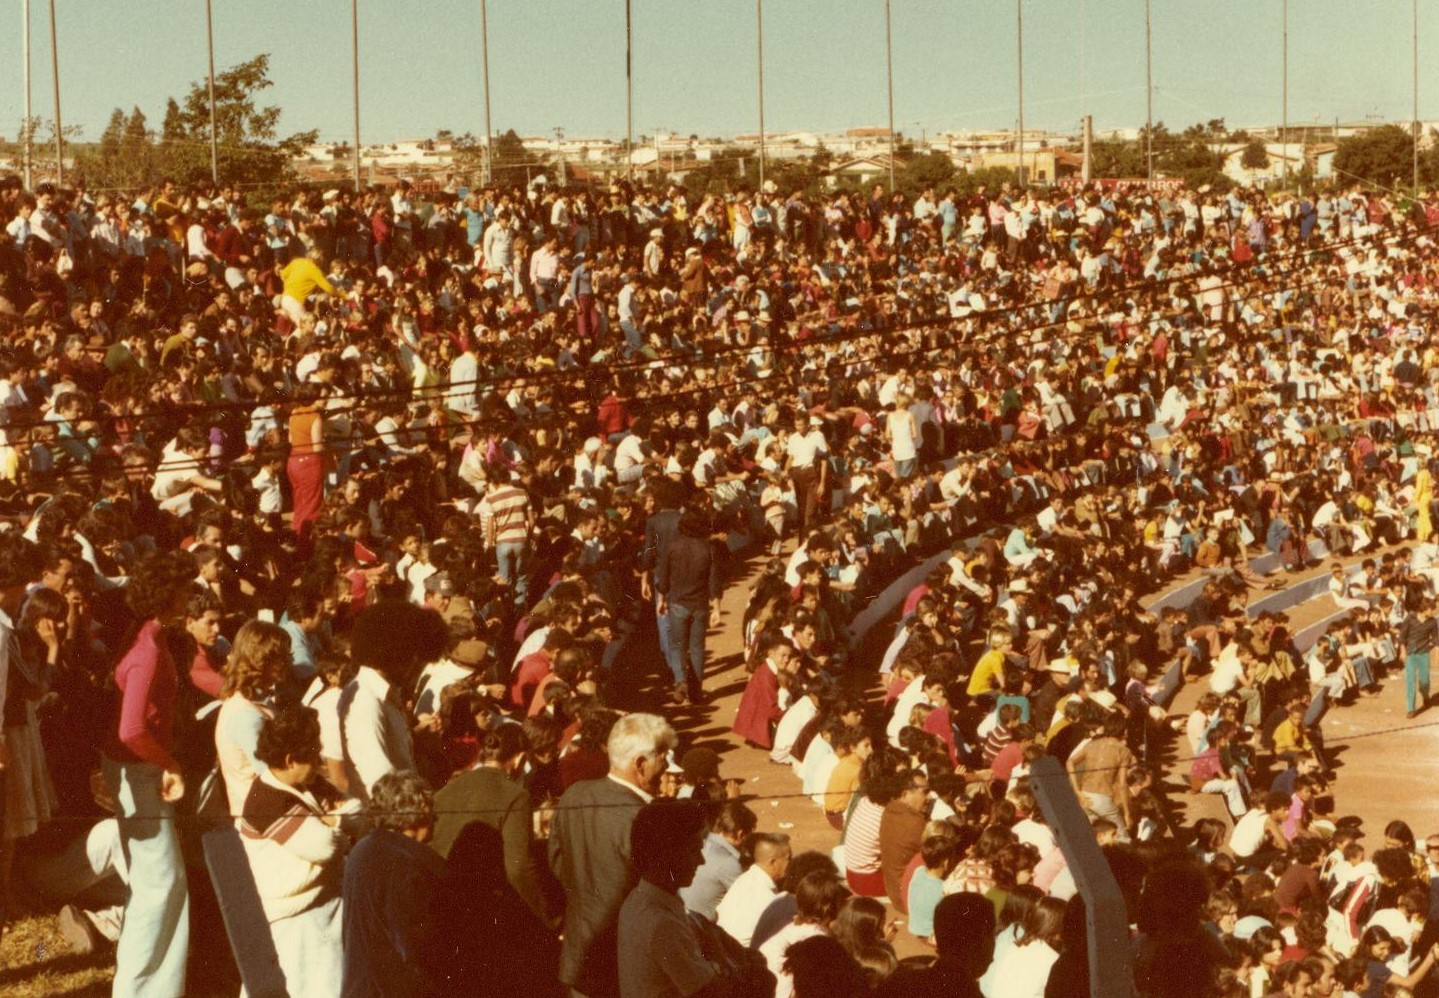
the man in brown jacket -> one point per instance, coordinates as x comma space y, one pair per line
901, 830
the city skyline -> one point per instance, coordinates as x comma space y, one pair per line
561, 62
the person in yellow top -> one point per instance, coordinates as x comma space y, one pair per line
1423, 496
853, 746
303, 277
1290, 737
988, 675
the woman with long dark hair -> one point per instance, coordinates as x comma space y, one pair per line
143, 775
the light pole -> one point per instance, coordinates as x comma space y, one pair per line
759, 34
214, 139
1019, 31
629, 96
1148, 103
355, 65
889, 76
55, 74
485, 61
1284, 123
1415, 47
25, 56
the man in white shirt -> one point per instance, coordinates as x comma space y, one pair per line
630, 458
389, 642
806, 449
743, 904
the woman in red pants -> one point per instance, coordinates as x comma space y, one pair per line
306, 467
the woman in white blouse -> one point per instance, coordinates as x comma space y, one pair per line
1022, 970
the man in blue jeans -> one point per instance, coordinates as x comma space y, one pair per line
687, 580
1418, 632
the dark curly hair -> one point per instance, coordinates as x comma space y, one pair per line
293, 733
157, 581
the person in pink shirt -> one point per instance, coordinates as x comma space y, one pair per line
141, 772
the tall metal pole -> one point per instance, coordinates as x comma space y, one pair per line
1148, 103
1284, 126
29, 115
889, 75
629, 96
55, 75
759, 32
485, 60
214, 135
355, 63
1415, 47
1019, 30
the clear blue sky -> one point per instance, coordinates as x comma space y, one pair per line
561, 62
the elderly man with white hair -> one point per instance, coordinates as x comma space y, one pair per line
590, 849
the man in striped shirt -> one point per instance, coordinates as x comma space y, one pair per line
507, 518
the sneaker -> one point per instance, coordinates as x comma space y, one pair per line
77, 930
679, 693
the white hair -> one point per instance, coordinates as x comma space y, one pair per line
639, 736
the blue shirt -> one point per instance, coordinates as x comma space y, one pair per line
302, 654
925, 892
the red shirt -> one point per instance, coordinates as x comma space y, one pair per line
533, 668
148, 682
1004, 762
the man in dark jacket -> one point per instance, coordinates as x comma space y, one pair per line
662, 527
489, 794
390, 881
687, 579
590, 850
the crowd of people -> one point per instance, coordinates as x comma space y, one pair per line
334, 523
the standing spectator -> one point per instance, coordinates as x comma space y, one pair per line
306, 467
391, 879
258, 664
488, 794
143, 776
508, 521
296, 849
687, 579
389, 643
19, 567
590, 850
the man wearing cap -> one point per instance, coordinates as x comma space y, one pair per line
806, 456
693, 278
1045, 700
654, 258
438, 592
467, 656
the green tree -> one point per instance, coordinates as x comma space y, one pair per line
1255, 156
173, 127
250, 151
1115, 160
114, 132
930, 169
1383, 156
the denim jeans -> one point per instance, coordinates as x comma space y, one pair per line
1416, 680
510, 559
687, 627
662, 627
155, 938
